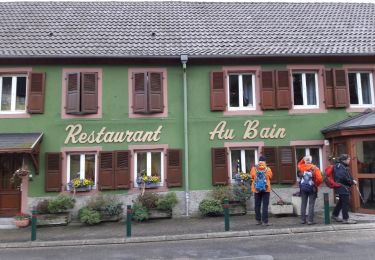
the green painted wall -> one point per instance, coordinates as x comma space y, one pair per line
201, 119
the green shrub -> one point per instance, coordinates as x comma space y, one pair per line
222, 192
61, 203
106, 204
89, 216
140, 212
241, 193
42, 207
148, 200
167, 202
232, 193
211, 207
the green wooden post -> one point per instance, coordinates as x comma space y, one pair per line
326, 209
129, 216
226, 215
33, 225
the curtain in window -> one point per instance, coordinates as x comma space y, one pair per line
311, 89
6, 94
247, 90
365, 83
353, 88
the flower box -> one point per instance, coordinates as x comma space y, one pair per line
151, 185
59, 219
81, 189
157, 214
284, 209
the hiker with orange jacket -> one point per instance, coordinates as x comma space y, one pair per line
311, 178
261, 176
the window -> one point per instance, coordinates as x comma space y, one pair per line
13, 93
361, 89
81, 93
242, 160
81, 165
148, 96
241, 91
305, 90
149, 163
315, 152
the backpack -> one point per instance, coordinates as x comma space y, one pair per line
260, 183
307, 184
329, 177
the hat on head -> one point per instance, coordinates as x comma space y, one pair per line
262, 158
307, 159
344, 157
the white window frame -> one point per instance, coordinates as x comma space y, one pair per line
359, 89
81, 166
240, 92
148, 170
13, 94
243, 161
304, 90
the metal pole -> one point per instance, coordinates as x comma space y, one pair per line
226, 215
129, 216
33, 224
326, 209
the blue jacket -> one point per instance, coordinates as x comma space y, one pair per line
342, 176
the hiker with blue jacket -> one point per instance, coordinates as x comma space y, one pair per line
342, 175
261, 176
310, 179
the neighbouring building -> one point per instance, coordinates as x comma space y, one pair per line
186, 91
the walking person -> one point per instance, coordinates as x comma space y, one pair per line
261, 176
311, 178
342, 176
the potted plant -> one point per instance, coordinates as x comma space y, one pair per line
79, 185
237, 196
148, 181
21, 220
55, 211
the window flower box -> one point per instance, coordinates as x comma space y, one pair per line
148, 182
80, 185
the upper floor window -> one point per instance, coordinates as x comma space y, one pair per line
361, 89
241, 160
150, 166
241, 91
81, 166
81, 93
13, 93
305, 90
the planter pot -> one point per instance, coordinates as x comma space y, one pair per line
151, 185
81, 189
281, 209
21, 222
237, 208
109, 218
59, 219
157, 214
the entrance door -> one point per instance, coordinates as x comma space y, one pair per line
365, 163
10, 195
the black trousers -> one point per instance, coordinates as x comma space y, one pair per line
342, 204
261, 198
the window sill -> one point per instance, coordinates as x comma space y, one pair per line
15, 115
243, 112
358, 109
307, 110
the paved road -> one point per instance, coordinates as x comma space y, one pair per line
340, 245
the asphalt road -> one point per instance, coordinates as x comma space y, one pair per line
326, 245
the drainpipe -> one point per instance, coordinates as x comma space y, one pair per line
184, 59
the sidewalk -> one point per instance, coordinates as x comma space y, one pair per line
168, 229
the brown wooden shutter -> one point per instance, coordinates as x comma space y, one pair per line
217, 86
341, 88
155, 81
283, 93
219, 166
271, 158
174, 168
140, 93
53, 177
287, 167
268, 90
329, 89
122, 169
89, 96
73, 93
35, 99
106, 171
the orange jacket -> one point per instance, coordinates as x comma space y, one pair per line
317, 175
261, 166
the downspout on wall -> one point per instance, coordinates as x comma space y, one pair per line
184, 59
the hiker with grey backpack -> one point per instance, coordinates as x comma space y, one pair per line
261, 176
310, 179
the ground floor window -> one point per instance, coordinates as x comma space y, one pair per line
148, 167
314, 152
81, 166
241, 160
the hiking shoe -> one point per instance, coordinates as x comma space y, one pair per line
303, 221
337, 219
258, 222
267, 224
349, 221
311, 223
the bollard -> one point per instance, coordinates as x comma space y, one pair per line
33, 225
129, 216
326, 209
226, 215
